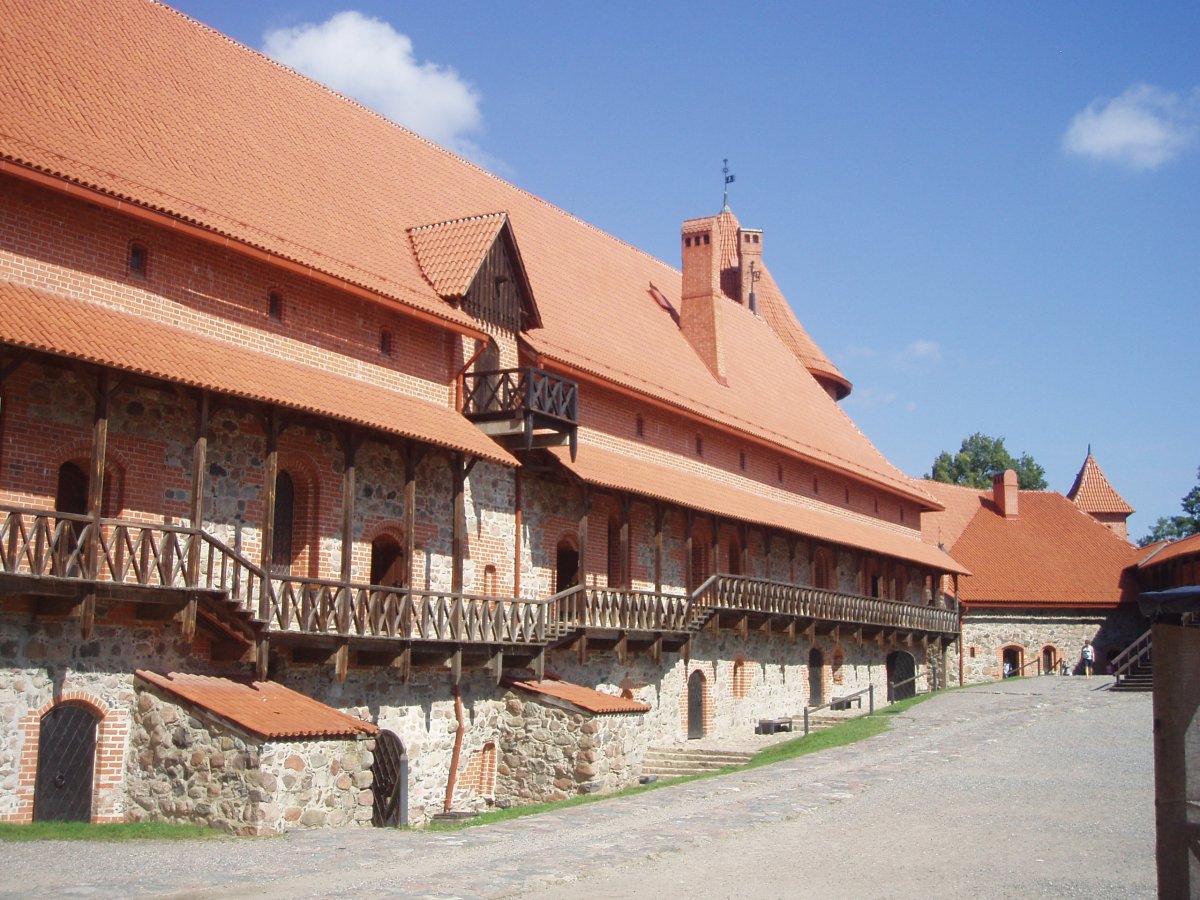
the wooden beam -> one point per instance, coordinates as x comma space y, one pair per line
689, 576
659, 513
495, 665
267, 529
350, 443
581, 649
341, 659
539, 664
262, 652
459, 527
744, 541
403, 662
743, 627
656, 649
858, 636
836, 634
583, 534
716, 545
411, 461
714, 624
623, 546
518, 514
622, 648
686, 650
456, 666
811, 631
199, 466
791, 542
791, 630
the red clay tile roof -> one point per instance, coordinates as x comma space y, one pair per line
40, 320
1093, 493
961, 504
1052, 554
1173, 550
450, 253
608, 469
238, 144
264, 708
585, 698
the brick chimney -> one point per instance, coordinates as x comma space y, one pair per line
1004, 493
700, 303
750, 251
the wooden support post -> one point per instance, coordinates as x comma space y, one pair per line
583, 535
496, 665
836, 634
539, 665
686, 650
456, 666
518, 511
623, 547
743, 627
459, 527
87, 612
656, 649
270, 477
195, 545
811, 631
341, 659
262, 656
403, 662
350, 444
411, 461
716, 545
659, 513
791, 541
858, 636
744, 540
689, 575
791, 631
766, 628
581, 649
714, 624
622, 648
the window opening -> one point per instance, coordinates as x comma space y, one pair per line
138, 255
285, 510
385, 342
275, 306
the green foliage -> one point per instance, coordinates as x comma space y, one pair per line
980, 459
1173, 528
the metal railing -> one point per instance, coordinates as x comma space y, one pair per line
843, 702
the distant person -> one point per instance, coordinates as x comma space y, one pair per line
1008, 669
1063, 668
1089, 658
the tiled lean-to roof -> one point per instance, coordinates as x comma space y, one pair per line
137, 103
1168, 552
1093, 493
582, 697
77, 329
265, 708
1051, 554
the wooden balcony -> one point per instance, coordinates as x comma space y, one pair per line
523, 408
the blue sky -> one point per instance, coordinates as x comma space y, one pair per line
985, 214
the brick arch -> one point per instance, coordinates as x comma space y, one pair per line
116, 464
837, 663
112, 731
708, 674
1011, 647
306, 513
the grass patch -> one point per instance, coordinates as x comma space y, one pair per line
850, 731
83, 831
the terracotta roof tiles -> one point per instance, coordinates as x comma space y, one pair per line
1173, 550
585, 698
450, 253
78, 329
1093, 493
265, 708
306, 175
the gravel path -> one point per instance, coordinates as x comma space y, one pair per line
1029, 788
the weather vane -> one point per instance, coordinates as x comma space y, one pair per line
728, 181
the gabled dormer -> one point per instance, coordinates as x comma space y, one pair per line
474, 263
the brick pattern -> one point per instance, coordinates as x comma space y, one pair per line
112, 734
479, 776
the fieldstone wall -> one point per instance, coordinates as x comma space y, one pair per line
547, 753
186, 765
987, 633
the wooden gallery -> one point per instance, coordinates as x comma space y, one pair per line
345, 483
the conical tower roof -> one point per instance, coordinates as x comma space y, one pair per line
1093, 493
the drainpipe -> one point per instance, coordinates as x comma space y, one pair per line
458, 739
459, 381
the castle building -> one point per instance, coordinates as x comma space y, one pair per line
343, 482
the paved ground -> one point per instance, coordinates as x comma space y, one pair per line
1030, 788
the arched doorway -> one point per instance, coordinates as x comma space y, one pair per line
389, 786
901, 669
695, 707
566, 566
1011, 661
285, 516
65, 764
387, 562
1049, 659
816, 677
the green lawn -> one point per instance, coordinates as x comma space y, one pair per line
82, 831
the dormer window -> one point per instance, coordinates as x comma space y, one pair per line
275, 306
138, 259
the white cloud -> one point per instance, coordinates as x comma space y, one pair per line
1143, 128
369, 60
922, 350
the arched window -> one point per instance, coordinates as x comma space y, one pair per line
387, 561
285, 513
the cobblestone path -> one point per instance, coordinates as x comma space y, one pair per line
1029, 788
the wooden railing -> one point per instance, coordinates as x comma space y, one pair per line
1140, 652
625, 610
512, 393
319, 606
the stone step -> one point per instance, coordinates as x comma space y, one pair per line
685, 752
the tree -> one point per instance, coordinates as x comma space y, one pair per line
1176, 527
980, 459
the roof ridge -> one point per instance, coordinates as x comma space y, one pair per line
378, 115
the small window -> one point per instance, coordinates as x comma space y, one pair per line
876, 506
779, 472
687, 242
971, 650
138, 257
901, 513
742, 460
706, 240
640, 426
847, 496
385, 342
699, 445
816, 485
275, 306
